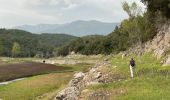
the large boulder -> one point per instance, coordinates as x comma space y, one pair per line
69, 93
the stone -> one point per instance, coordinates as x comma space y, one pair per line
79, 75
99, 74
167, 62
73, 82
81, 80
69, 93
92, 70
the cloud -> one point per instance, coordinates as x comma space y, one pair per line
19, 12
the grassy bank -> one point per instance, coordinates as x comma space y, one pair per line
30, 88
151, 81
41, 87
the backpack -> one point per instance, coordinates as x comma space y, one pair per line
132, 63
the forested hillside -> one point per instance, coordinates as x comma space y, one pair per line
140, 27
20, 43
134, 30
144, 37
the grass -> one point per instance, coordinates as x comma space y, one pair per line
151, 81
77, 67
8, 60
41, 87
30, 88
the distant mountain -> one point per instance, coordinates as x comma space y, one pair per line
76, 28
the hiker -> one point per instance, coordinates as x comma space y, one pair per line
132, 67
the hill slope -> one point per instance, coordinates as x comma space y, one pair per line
32, 44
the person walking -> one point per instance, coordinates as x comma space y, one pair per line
132, 67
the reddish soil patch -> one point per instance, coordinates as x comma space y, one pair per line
14, 71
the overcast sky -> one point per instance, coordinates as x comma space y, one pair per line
31, 12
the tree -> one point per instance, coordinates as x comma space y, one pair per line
132, 10
155, 6
134, 24
1, 48
16, 50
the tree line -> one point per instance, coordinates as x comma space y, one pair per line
18, 43
134, 30
140, 27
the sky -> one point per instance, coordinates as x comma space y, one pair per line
32, 12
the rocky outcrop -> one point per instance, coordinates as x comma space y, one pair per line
73, 89
96, 75
161, 43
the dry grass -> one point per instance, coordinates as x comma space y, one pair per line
33, 87
43, 87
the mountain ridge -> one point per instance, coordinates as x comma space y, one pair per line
76, 28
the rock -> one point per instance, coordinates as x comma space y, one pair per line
167, 61
159, 53
74, 82
158, 45
161, 42
92, 70
69, 93
79, 75
81, 80
99, 74
73, 89
77, 78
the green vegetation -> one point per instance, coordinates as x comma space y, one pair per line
84, 67
158, 6
1, 48
16, 50
31, 45
137, 29
151, 81
29, 89
134, 30
87, 45
41, 87
158, 12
